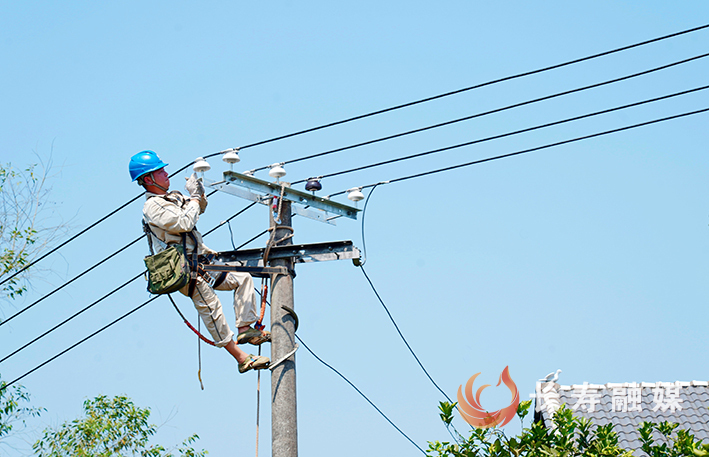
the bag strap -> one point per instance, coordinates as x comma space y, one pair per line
148, 233
194, 264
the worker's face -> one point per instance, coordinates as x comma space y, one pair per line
161, 178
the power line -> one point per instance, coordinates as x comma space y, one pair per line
232, 217
402, 335
607, 132
361, 263
477, 86
102, 298
391, 318
494, 111
374, 113
72, 317
546, 146
99, 263
69, 282
51, 251
78, 343
360, 392
352, 385
252, 239
512, 133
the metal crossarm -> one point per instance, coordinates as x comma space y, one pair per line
300, 253
258, 271
247, 185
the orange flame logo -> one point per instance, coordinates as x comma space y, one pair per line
474, 414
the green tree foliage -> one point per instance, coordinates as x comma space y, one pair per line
570, 436
11, 410
27, 223
110, 427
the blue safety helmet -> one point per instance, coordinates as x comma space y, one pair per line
143, 163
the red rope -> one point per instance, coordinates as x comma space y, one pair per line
184, 319
201, 337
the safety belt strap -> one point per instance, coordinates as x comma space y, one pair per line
194, 262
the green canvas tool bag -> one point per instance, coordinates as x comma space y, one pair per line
168, 270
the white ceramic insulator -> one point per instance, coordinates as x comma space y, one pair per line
201, 165
231, 157
277, 171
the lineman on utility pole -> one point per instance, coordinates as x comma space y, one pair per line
171, 215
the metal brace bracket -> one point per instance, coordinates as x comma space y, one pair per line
259, 272
283, 359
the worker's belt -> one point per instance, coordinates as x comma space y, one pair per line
197, 263
215, 278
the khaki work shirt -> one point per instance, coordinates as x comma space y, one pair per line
169, 216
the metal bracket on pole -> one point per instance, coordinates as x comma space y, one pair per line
247, 185
283, 359
258, 271
300, 253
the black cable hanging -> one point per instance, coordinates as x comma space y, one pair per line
374, 113
360, 392
360, 264
478, 86
525, 151
512, 154
300, 340
512, 133
494, 111
79, 342
105, 296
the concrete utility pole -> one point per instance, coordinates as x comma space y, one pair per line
282, 258
284, 420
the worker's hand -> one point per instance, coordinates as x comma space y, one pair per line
202, 204
194, 186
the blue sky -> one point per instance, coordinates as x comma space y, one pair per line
589, 257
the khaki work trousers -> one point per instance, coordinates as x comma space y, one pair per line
210, 308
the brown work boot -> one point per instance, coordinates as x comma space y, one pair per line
254, 336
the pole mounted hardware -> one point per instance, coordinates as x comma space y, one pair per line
258, 190
257, 271
300, 253
283, 359
282, 256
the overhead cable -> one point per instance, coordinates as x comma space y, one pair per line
360, 264
96, 265
351, 385
81, 311
362, 394
477, 86
525, 151
103, 298
55, 249
374, 113
69, 282
78, 343
494, 111
512, 133
391, 318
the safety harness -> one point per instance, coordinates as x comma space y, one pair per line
196, 262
